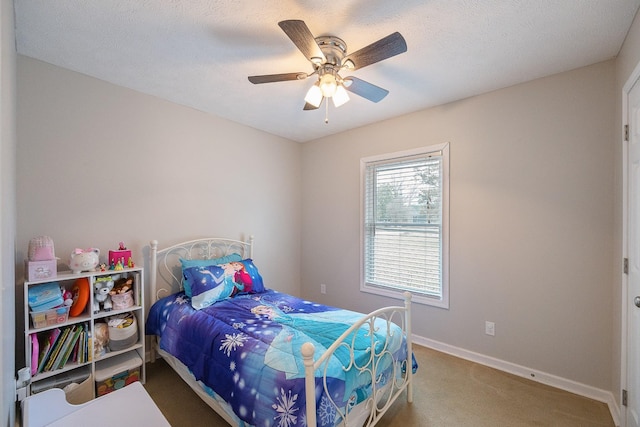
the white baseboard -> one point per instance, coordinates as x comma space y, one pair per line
524, 372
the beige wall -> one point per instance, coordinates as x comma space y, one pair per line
531, 221
98, 164
7, 210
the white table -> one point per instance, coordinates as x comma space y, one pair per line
130, 406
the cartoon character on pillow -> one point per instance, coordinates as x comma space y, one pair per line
236, 274
241, 276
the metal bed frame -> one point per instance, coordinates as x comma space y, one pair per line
165, 278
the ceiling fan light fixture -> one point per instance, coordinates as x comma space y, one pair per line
341, 96
349, 65
328, 85
328, 56
314, 96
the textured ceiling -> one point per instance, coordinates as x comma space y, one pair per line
199, 53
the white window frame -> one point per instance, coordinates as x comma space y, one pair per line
421, 298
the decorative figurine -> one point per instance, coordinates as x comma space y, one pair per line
84, 260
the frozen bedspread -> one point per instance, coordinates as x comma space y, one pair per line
247, 350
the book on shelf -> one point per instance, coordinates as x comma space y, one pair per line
89, 347
64, 332
46, 342
67, 347
63, 347
81, 344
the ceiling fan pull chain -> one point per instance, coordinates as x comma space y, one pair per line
326, 111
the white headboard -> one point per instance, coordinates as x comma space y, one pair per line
165, 268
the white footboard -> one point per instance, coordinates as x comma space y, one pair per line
383, 394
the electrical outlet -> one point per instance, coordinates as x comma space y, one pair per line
490, 328
323, 288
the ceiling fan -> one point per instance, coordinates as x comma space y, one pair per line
328, 55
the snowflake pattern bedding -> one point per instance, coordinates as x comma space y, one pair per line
246, 349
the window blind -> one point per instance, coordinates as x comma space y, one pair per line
403, 224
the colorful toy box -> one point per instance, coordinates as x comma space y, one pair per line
117, 372
121, 256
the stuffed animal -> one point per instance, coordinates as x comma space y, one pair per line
101, 297
122, 285
84, 260
67, 296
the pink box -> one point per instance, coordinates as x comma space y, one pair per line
123, 256
38, 270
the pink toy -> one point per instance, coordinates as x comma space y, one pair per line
67, 296
84, 260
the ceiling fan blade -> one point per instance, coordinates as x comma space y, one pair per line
301, 36
270, 78
384, 48
365, 89
308, 106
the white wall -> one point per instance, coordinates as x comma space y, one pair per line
626, 62
531, 221
98, 164
7, 210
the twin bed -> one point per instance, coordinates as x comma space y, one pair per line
259, 357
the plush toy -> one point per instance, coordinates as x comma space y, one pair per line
67, 296
121, 286
101, 297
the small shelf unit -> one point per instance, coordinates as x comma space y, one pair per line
87, 319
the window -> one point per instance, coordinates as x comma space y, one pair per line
405, 233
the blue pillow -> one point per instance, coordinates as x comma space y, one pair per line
188, 263
249, 277
208, 285
213, 283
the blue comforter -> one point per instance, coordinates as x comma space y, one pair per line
246, 349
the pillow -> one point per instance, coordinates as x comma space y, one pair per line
188, 263
249, 277
213, 283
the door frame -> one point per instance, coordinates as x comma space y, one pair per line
626, 89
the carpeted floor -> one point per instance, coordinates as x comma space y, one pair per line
448, 392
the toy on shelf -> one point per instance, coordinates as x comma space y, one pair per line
121, 294
84, 260
120, 258
101, 297
80, 290
67, 296
101, 339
